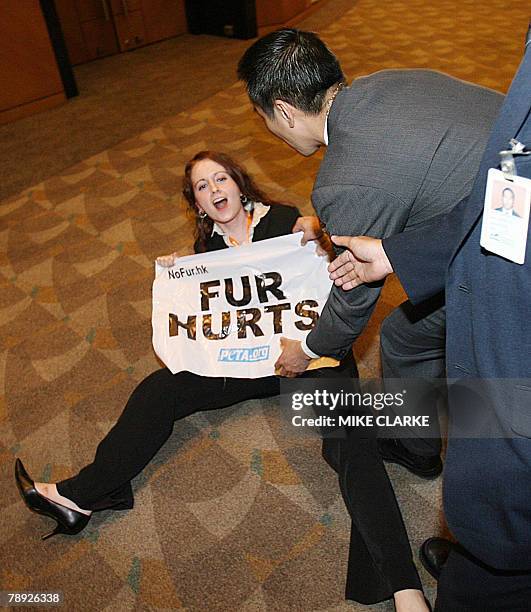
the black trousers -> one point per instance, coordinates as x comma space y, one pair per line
380, 559
144, 426
468, 585
413, 346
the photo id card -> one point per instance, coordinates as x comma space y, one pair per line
506, 215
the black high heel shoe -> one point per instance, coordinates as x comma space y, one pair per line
68, 521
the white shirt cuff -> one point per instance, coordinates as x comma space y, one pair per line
308, 351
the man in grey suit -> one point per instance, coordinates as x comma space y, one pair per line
402, 147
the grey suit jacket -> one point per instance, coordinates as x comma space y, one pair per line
404, 146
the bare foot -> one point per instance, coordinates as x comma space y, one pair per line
50, 492
410, 600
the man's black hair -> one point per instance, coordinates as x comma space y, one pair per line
289, 65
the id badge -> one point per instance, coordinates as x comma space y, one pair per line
506, 215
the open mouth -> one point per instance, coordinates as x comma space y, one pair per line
220, 203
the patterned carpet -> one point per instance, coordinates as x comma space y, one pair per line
236, 512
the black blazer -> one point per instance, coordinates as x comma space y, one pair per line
279, 221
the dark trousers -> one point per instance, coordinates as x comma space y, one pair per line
380, 559
380, 556
468, 585
144, 426
412, 344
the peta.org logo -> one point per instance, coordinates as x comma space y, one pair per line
257, 353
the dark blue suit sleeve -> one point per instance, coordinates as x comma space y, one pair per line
420, 257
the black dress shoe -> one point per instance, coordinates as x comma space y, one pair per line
433, 555
68, 521
393, 451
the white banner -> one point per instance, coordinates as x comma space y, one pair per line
223, 313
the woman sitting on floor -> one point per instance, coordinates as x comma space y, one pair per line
230, 210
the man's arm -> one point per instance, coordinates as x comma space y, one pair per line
353, 210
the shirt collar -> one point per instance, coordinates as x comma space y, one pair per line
258, 210
338, 89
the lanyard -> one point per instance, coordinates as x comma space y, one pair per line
507, 164
233, 241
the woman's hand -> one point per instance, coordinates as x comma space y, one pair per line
311, 230
167, 261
